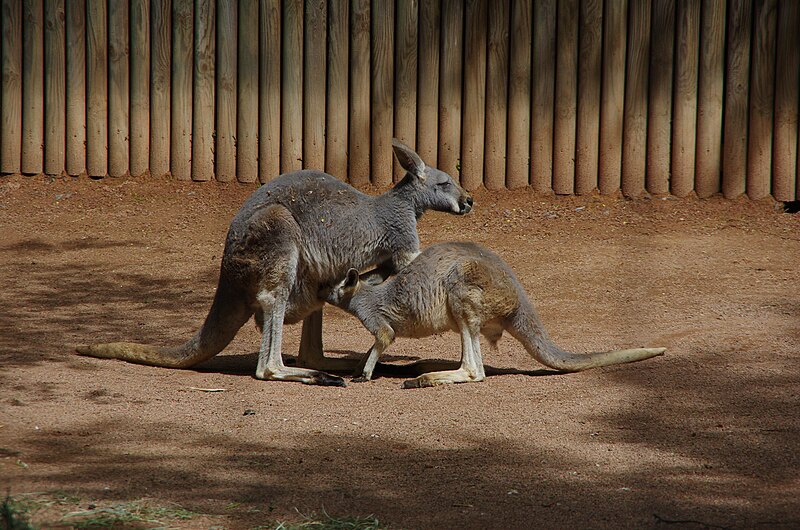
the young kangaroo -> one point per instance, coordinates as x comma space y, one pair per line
466, 288
298, 232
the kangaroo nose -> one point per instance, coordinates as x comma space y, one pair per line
469, 201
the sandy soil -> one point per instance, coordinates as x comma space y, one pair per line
706, 436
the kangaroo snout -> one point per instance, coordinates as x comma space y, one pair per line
465, 205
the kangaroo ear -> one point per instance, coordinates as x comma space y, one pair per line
351, 282
409, 160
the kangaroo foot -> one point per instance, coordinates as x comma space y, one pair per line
419, 382
323, 379
443, 378
301, 375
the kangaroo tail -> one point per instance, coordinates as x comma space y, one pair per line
528, 329
229, 312
135, 353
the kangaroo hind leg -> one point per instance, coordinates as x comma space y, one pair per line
471, 369
275, 229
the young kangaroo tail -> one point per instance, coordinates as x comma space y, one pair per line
528, 329
228, 313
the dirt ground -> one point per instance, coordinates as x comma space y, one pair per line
704, 437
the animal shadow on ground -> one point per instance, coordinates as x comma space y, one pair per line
244, 364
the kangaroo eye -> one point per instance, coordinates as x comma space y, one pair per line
444, 184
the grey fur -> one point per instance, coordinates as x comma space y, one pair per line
292, 235
465, 288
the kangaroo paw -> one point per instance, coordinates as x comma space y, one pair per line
360, 379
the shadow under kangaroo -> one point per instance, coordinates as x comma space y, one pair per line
294, 234
465, 288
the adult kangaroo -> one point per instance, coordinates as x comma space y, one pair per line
466, 288
292, 235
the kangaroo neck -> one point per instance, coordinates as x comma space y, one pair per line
405, 199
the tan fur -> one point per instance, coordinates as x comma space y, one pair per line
465, 288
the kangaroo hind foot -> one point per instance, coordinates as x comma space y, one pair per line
442, 378
470, 371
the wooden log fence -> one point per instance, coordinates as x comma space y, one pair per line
565, 96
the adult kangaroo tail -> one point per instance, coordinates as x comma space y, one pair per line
228, 313
528, 329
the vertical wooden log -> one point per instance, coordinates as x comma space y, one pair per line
76, 88
269, 108
32, 86
292, 86
544, 82
634, 141
118, 89
227, 35
182, 68
140, 87
314, 84
11, 93
762, 100
612, 99
659, 111
337, 106
55, 87
497, 95
566, 98
160, 87
428, 96
247, 108
519, 95
203, 96
359, 93
710, 89
684, 124
382, 91
589, 76
405, 89
450, 79
96, 90
474, 119
734, 157
787, 88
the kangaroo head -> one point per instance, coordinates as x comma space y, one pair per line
434, 189
341, 293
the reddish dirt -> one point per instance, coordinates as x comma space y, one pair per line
706, 435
